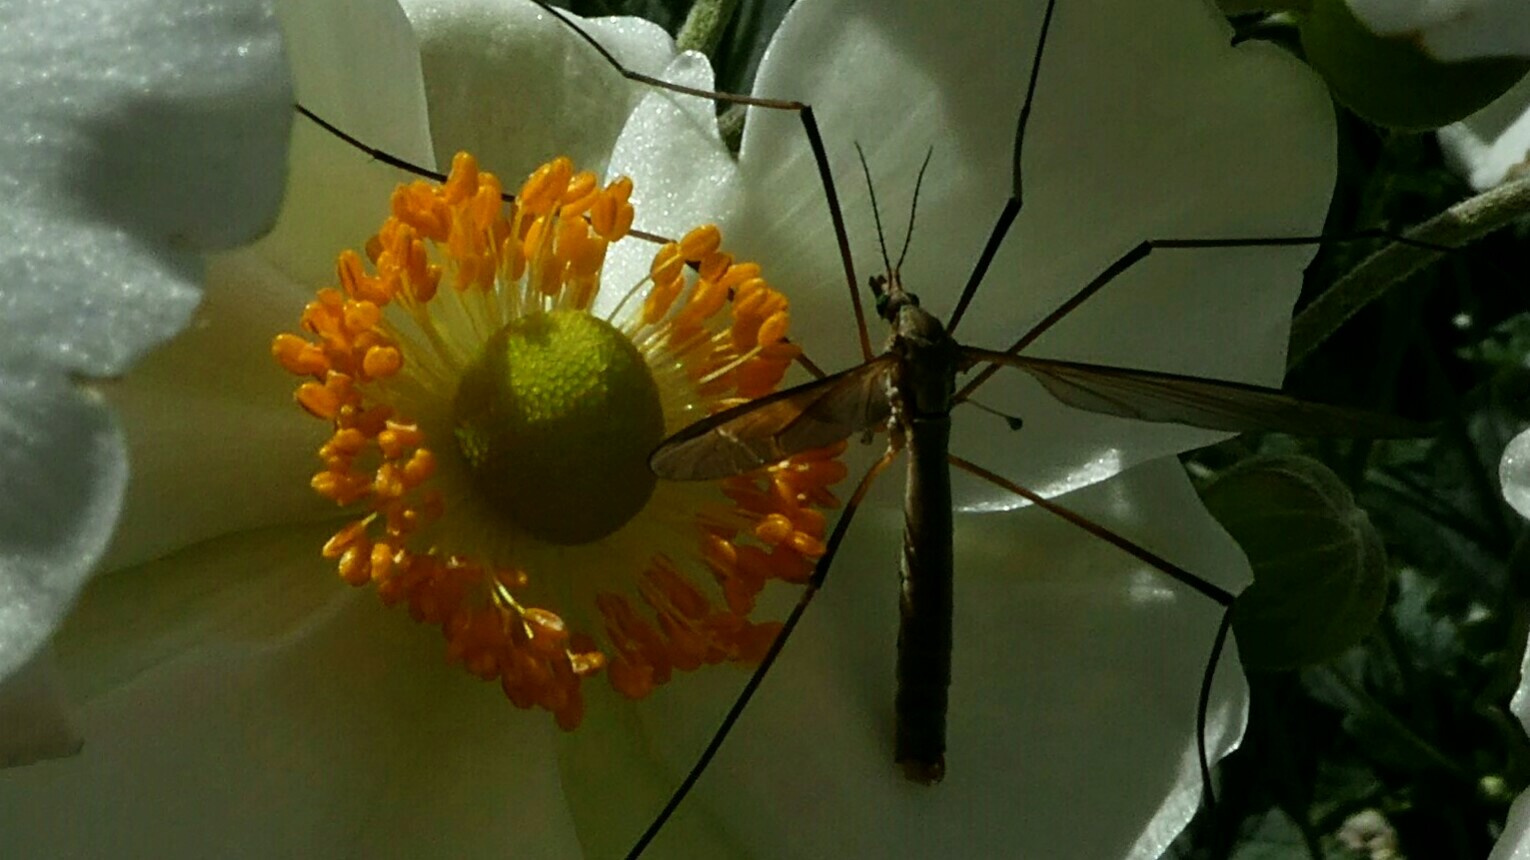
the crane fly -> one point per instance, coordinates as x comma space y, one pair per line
910, 390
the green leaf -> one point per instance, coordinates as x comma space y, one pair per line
1320, 576
1392, 81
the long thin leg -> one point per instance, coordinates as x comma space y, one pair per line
815, 142
1145, 248
1174, 571
815, 582
1178, 573
1204, 704
1016, 197
413, 169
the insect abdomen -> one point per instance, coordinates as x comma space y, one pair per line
924, 636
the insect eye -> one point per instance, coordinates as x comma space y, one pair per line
881, 303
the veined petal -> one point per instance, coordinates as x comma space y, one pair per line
213, 451
236, 595
357, 65
1129, 141
1452, 30
352, 740
516, 88
1076, 672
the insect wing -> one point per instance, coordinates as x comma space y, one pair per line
1210, 403
774, 427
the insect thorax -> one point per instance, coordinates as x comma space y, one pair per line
928, 360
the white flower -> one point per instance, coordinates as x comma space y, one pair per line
132, 136
1452, 30
237, 703
1492, 145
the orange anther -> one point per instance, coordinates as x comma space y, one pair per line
344, 539
668, 264
381, 560
774, 328
462, 182
579, 196
705, 300
700, 242
806, 544
382, 361
774, 529
319, 400
714, 265
298, 356
355, 566
544, 188
738, 273
420, 467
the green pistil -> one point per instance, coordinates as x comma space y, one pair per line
556, 419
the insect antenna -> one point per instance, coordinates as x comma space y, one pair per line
1016, 195
815, 582
876, 214
1220, 595
913, 207
809, 122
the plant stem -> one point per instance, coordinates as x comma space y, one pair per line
704, 25
1461, 224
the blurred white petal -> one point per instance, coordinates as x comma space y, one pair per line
132, 135
1490, 146
1452, 30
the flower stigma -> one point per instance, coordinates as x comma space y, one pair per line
489, 437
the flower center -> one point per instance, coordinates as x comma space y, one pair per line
555, 419
469, 319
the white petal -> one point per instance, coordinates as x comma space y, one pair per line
133, 132
62, 473
683, 175
1076, 672
357, 65
1452, 30
351, 741
514, 86
1514, 473
1486, 146
1514, 842
216, 442
34, 725
239, 594
1142, 129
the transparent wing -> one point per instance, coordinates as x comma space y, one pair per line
774, 427
1210, 403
